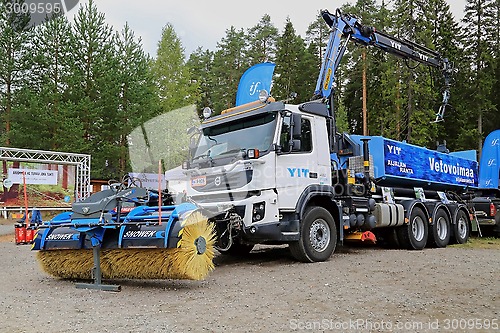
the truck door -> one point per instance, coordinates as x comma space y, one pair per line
296, 167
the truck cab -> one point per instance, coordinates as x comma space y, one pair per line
254, 170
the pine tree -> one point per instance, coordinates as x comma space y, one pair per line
262, 41
291, 56
15, 60
494, 33
138, 100
94, 87
200, 65
358, 63
230, 62
417, 91
478, 22
171, 75
443, 35
317, 37
43, 117
384, 93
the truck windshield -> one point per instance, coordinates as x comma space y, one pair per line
234, 138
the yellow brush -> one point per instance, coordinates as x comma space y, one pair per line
67, 264
191, 260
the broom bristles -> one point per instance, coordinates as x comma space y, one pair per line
183, 262
67, 264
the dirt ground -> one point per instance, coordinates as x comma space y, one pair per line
358, 290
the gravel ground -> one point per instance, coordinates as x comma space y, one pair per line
357, 290
6, 229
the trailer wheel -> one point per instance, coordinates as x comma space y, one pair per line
440, 233
318, 236
496, 229
461, 228
414, 235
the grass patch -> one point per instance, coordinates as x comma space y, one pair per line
490, 243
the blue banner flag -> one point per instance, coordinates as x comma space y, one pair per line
255, 79
489, 172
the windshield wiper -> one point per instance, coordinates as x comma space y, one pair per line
207, 155
237, 150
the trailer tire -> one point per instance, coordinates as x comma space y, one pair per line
440, 232
461, 228
318, 236
496, 229
413, 235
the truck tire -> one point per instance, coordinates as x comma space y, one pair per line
461, 228
387, 238
496, 229
440, 230
413, 235
238, 250
318, 236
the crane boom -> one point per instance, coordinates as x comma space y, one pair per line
345, 27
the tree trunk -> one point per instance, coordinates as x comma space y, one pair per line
410, 109
365, 111
8, 109
65, 177
480, 130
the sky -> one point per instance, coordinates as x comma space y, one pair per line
204, 22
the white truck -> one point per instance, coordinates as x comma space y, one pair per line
274, 173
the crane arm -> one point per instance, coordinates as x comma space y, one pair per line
345, 27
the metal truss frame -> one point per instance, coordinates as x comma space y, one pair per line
81, 161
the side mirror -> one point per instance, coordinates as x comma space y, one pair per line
296, 125
295, 132
193, 132
192, 147
295, 145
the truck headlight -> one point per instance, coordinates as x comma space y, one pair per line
253, 153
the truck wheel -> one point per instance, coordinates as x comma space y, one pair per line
461, 228
387, 238
238, 250
440, 233
414, 235
318, 236
496, 229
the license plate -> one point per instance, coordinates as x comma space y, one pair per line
199, 181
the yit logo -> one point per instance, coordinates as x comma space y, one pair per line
217, 181
253, 88
298, 173
394, 150
396, 45
491, 162
495, 142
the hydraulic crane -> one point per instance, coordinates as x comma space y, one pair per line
346, 27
